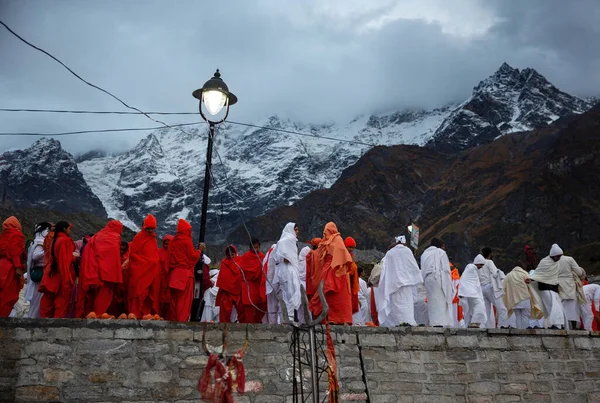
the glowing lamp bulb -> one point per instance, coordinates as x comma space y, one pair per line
410, 228
214, 101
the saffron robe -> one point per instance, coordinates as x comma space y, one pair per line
12, 255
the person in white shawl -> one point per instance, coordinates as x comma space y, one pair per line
211, 312
363, 315
399, 275
35, 261
302, 264
471, 295
592, 304
516, 296
283, 266
544, 288
435, 268
273, 308
491, 285
570, 287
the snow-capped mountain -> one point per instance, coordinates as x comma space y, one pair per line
254, 169
45, 176
508, 101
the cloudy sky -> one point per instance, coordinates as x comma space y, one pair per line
313, 60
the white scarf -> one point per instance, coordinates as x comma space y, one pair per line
470, 286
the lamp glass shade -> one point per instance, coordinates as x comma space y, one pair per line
214, 101
410, 228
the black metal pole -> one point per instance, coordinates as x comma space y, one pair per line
198, 303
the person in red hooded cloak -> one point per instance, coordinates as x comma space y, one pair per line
252, 308
165, 293
100, 273
229, 283
144, 273
334, 264
12, 256
182, 260
312, 282
350, 244
58, 281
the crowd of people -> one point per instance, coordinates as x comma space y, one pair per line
101, 276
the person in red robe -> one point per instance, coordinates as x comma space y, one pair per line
229, 284
118, 307
182, 261
312, 282
100, 272
144, 273
335, 262
58, 281
253, 307
165, 293
12, 267
350, 245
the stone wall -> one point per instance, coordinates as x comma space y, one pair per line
118, 361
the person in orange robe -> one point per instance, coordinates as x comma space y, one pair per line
144, 273
229, 284
165, 293
350, 244
182, 261
12, 267
457, 309
58, 281
312, 283
101, 267
334, 263
252, 307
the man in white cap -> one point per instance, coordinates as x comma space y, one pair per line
400, 274
544, 287
491, 286
471, 296
435, 268
570, 286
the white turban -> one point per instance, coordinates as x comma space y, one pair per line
401, 239
556, 250
479, 260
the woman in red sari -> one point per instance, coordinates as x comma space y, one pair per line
59, 274
12, 256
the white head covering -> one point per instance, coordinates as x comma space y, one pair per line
555, 250
401, 239
479, 259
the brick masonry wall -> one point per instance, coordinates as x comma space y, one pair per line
130, 361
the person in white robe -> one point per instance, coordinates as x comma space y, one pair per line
435, 268
570, 287
374, 278
491, 285
591, 305
471, 295
363, 315
420, 301
273, 308
516, 296
286, 280
544, 288
211, 312
35, 259
302, 264
400, 274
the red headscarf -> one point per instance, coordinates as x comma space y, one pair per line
230, 277
144, 263
332, 244
12, 242
182, 256
349, 242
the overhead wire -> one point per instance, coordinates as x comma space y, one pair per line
130, 129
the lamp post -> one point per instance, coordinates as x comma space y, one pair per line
214, 96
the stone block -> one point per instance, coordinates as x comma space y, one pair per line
82, 333
150, 377
190, 374
584, 343
409, 367
194, 361
514, 387
461, 356
585, 386
525, 342
400, 386
21, 334
438, 399
564, 385
462, 341
354, 397
128, 393
134, 334
42, 348
78, 393
537, 397
571, 397
530, 366
479, 399
553, 366
424, 356
449, 377
466, 377
354, 386
409, 376
105, 377
36, 393
172, 392
174, 334
507, 398
557, 342
483, 367
489, 355
105, 347
385, 398
52, 333
386, 366
379, 340
429, 367
496, 342
484, 388
421, 342
350, 372
57, 376
445, 388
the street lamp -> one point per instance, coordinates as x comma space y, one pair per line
214, 96
410, 229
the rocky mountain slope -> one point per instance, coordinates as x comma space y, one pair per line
540, 185
45, 176
262, 169
508, 101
